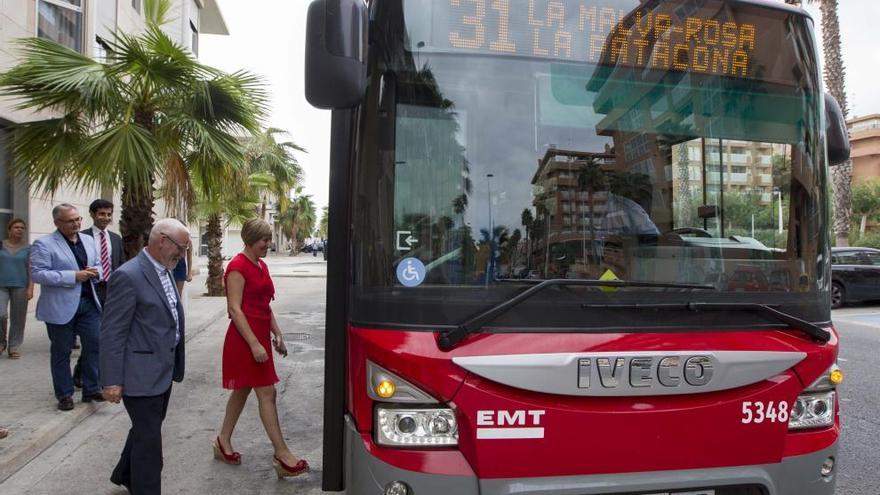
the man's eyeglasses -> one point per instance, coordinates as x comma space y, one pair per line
71, 221
180, 247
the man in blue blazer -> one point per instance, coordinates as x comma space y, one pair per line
142, 351
64, 265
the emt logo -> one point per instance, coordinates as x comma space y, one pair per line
500, 425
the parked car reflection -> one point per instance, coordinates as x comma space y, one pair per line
855, 275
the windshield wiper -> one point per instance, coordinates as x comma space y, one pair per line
804, 326
451, 338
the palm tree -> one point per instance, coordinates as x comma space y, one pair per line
684, 186
513, 248
496, 242
298, 220
273, 164
324, 224
148, 109
835, 75
233, 204
590, 179
528, 221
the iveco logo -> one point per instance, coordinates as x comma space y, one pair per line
632, 373
644, 371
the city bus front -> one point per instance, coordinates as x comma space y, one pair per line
587, 251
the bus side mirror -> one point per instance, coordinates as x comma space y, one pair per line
835, 132
336, 47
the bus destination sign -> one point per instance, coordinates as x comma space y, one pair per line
672, 36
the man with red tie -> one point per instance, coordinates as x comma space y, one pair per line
108, 252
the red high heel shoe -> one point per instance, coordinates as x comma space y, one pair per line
233, 458
285, 471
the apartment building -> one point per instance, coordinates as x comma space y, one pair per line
864, 137
732, 165
82, 25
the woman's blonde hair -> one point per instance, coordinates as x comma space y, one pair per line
255, 230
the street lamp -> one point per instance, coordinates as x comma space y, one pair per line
491, 261
489, 198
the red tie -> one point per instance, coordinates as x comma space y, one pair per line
105, 256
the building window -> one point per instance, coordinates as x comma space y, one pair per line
136, 5
195, 38
6, 211
61, 21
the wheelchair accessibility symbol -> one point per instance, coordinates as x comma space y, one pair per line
411, 272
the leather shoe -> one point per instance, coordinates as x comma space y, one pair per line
65, 404
118, 481
98, 397
77, 376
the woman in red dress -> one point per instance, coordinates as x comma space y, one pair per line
247, 351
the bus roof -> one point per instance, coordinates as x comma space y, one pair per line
777, 5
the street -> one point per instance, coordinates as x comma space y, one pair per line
81, 460
859, 329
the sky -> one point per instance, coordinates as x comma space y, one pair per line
267, 37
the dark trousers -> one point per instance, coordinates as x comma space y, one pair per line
86, 323
140, 465
101, 292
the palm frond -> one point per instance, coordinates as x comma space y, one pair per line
156, 12
246, 96
153, 64
52, 76
125, 152
261, 180
177, 187
48, 152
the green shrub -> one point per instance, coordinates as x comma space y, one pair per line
870, 239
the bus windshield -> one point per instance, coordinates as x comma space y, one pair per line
677, 142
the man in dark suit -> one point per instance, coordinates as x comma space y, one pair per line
108, 245
108, 252
142, 351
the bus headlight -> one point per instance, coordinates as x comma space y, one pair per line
434, 427
814, 410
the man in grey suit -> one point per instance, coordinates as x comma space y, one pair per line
142, 351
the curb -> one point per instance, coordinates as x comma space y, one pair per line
11, 461
43, 438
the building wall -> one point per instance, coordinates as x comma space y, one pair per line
18, 19
865, 142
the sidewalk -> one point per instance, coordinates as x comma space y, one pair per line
28, 403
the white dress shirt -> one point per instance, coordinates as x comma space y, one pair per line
96, 232
170, 292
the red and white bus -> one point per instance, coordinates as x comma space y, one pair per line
578, 247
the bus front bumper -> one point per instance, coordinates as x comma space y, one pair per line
799, 475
